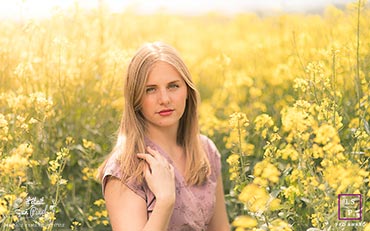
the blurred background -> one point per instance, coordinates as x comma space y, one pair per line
285, 97
39, 8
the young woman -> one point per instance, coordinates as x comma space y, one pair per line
162, 174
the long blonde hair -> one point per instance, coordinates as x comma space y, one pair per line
132, 129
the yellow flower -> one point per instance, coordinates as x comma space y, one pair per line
62, 181
99, 202
238, 120
33, 121
255, 92
3, 207
267, 171
41, 103
24, 150
255, 198
247, 149
325, 134
89, 173
354, 124
263, 123
295, 120
54, 179
53, 166
244, 222
316, 151
343, 176
237, 136
291, 193
104, 213
14, 166
288, 152
300, 84
3, 121
322, 187
279, 225
233, 161
15, 218
23, 195
75, 224
4, 129
367, 227
88, 144
275, 204
69, 140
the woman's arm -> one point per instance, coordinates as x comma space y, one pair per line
127, 210
219, 221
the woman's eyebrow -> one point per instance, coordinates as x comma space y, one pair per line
175, 81
154, 85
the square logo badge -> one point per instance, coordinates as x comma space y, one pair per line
350, 207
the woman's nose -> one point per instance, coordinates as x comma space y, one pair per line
164, 97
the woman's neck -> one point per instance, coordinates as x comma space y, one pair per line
166, 139
162, 135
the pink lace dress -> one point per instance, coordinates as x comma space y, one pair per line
194, 205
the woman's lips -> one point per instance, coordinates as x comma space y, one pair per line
166, 112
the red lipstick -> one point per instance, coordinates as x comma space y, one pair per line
165, 112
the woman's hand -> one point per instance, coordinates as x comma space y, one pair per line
159, 175
128, 211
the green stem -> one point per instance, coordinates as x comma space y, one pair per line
358, 81
241, 152
334, 88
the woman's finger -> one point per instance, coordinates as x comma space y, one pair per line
157, 155
153, 152
146, 171
147, 157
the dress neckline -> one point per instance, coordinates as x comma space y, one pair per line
178, 174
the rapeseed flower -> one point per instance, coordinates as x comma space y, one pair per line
234, 166
342, 177
265, 172
288, 152
88, 144
291, 193
238, 120
245, 222
295, 120
14, 166
4, 129
279, 225
256, 198
325, 134
262, 124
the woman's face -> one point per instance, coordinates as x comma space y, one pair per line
164, 100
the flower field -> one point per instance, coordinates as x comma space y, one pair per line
285, 97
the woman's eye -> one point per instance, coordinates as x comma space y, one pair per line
150, 90
173, 86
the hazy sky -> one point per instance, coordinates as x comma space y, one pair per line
43, 8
